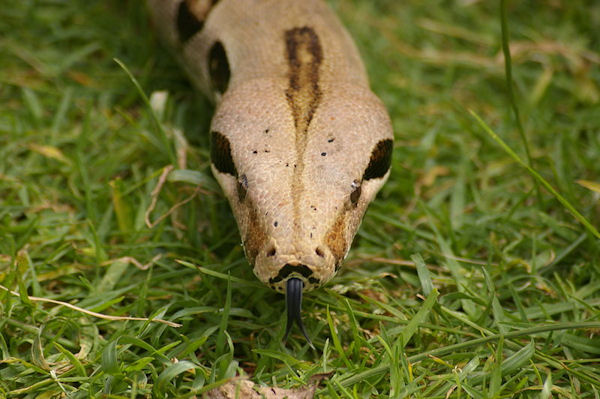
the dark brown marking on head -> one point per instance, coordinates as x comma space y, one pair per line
381, 159
336, 238
255, 236
220, 154
191, 15
314, 280
304, 55
218, 67
288, 269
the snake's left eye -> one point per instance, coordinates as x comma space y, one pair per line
381, 159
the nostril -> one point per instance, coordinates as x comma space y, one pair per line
320, 252
272, 252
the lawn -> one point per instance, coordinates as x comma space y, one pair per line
476, 272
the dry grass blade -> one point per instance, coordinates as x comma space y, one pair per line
91, 313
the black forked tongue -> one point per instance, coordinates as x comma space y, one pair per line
293, 300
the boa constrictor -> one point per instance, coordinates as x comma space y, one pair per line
299, 143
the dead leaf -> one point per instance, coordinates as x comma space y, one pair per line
590, 185
244, 388
434, 172
50, 152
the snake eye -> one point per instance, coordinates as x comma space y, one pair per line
381, 159
356, 191
242, 187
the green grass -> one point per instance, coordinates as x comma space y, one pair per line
463, 281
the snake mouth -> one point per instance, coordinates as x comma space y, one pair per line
293, 301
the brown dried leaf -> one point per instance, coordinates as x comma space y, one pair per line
243, 388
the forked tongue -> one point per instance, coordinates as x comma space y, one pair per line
293, 301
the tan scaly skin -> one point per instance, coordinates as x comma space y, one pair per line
299, 143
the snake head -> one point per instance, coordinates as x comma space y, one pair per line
293, 300
299, 205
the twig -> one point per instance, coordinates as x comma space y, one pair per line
134, 261
161, 181
89, 312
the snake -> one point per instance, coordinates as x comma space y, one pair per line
299, 143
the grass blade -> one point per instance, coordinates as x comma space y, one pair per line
420, 317
509, 87
162, 135
537, 176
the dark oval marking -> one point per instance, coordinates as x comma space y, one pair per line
218, 67
381, 159
314, 280
220, 154
188, 24
355, 194
191, 15
288, 269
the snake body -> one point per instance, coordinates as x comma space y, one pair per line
299, 143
